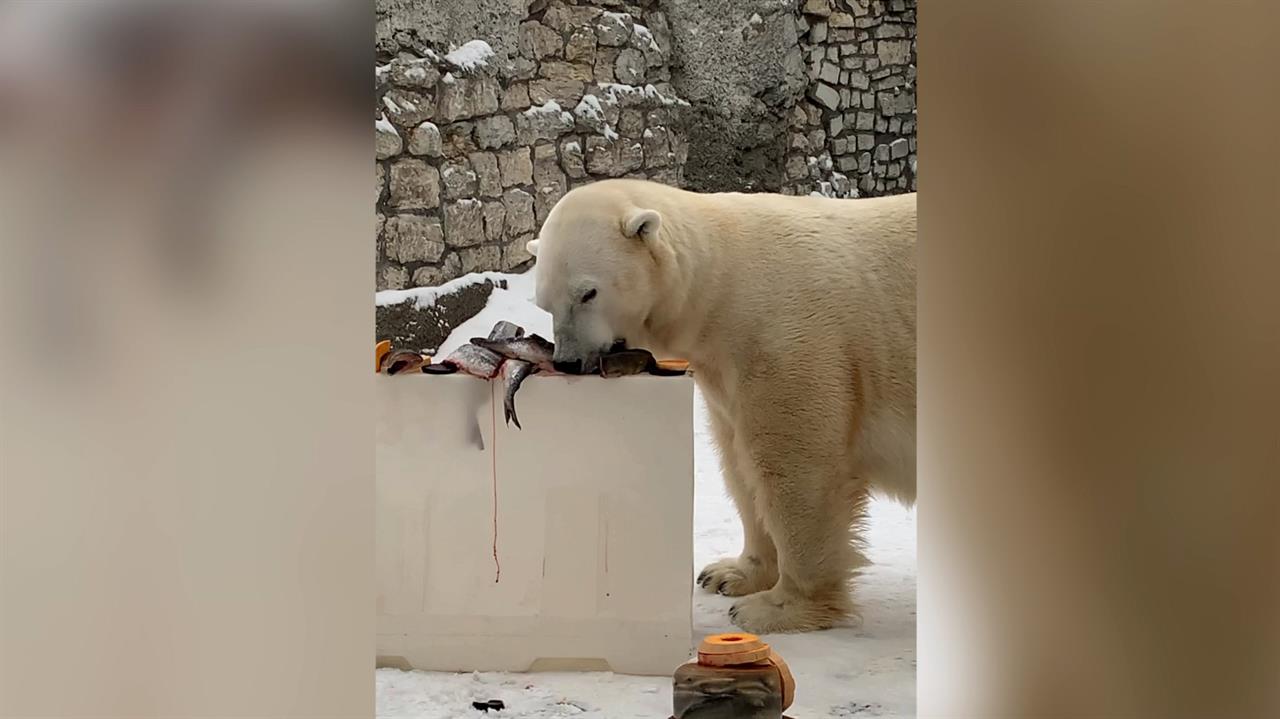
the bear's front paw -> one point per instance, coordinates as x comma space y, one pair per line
736, 577
776, 612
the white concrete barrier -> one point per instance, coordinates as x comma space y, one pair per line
567, 545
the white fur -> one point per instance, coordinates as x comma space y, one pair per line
797, 315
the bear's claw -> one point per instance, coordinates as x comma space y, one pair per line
776, 612
736, 578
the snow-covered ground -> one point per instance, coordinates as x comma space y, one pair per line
863, 671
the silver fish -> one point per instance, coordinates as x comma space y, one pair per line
505, 330
475, 361
514, 373
532, 349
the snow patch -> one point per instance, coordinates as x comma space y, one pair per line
380, 71
589, 108
549, 106
391, 105
384, 125
646, 35
649, 92
514, 304
470, 55
448, 78
424, 297
609, 133
449, 171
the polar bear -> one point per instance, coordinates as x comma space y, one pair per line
797, 316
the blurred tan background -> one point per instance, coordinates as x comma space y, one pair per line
1099, 336
186, 444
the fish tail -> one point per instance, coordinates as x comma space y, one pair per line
518, 373
509, 406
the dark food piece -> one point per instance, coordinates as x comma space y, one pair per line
626, 362
633, 361
494, 704
402, 361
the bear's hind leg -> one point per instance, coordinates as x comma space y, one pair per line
756, 569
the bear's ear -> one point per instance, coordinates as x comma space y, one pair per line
532, 247
642, 224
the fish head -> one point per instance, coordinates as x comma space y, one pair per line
597, 272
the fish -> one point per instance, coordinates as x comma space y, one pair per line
523, 356
514, 372
624, 362
504, 330
508, 352
402, 362
473, 360
532, 349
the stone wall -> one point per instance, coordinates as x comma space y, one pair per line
854, 134
488, 113
474, 147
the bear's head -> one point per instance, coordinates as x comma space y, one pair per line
598, 271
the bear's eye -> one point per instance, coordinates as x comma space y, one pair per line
590, 295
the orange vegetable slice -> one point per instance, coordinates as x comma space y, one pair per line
723, 650
380, 352
788, 680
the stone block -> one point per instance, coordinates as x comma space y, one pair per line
414, 185
489, 179
515, 167
459, 179
520, 215
413, 238
464, 223
494, 132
